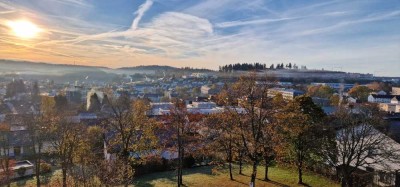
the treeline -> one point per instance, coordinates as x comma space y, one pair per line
257, 67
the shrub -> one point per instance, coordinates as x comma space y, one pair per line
151, 165
189, 161
45, 168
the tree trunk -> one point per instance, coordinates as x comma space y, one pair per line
240, 163
300, 167
37, 172
266, 173
83, 174
64, 177
230, 171
267, 161
254, 174
180, 155
345, 179
230, 157
126, 172
37, 165
182, 158
343, 183
300, 171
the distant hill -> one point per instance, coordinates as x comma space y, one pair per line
47, 69
150, 67
26, 67
164, 68
56, 72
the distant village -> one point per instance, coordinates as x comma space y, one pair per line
199, 91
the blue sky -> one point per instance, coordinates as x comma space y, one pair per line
355, 36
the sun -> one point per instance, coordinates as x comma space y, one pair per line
24, 29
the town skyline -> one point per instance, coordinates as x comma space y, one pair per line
357, 36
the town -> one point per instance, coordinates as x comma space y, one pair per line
111, 132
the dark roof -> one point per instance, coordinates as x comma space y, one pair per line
382, 96
20, 138
152, 95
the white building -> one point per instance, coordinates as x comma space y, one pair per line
287, 94
204, 108
375, 98
159, 109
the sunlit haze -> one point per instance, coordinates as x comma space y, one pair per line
352, 36
23, 29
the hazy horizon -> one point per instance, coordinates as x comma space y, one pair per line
351, 36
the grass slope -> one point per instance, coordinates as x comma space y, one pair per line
205, 176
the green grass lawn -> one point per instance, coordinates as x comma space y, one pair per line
31, 181
202, 176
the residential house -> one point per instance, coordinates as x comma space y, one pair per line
382, 169
159, 109
392, 107
395, 90
376, 98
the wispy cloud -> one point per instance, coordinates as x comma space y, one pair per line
208, 33
250, 22
140, 12
339, 25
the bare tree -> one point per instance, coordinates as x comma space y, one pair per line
356, 141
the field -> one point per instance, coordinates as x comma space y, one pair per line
207, 176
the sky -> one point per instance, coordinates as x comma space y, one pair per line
354, 36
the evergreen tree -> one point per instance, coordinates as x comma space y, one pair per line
35, 92
272, 66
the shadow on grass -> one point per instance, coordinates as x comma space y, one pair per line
305, 184
276, 183
239, 182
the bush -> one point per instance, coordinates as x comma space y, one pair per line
45, 168
189, 161
151, 165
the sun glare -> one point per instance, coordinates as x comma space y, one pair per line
24, 29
